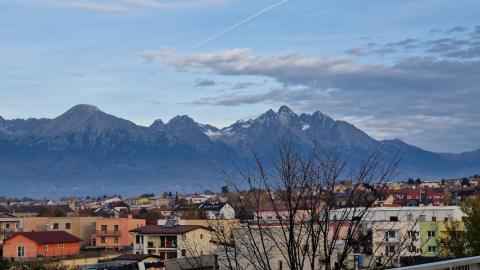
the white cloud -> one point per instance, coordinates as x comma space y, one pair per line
118, 6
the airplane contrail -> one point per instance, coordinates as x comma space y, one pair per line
261, 12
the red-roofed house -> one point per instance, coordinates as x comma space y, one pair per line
41, 244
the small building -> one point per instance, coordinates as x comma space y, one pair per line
41, 244
217, 210
9, 224
172, 241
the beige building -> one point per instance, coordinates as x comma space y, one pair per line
81, 227
172, 241
9, 224
221, 228
392, 240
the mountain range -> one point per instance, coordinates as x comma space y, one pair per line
87, 152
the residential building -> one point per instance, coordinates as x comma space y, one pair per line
220, 228
81, 227
113, 233
159, 202
431, 232
400, 237
171, 240
276, 210
41, 244
422, 213
9, 224
217, 210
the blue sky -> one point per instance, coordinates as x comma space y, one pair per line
396, 69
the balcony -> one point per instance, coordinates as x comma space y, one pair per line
97, 232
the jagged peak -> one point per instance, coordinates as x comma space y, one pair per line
2, 119
284, 109
157, 124
182, 121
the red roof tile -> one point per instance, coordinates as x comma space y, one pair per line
50, 237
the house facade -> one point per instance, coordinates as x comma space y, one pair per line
9, 224
41, 244
173, 241
217, 210
113, 233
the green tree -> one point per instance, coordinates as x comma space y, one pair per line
455, 244
464, 242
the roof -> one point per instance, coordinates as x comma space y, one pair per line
134, 257
35, 209
212, 206
3, 209
157, 229
49, 237
6, 215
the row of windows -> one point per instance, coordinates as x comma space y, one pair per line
7, 225
104, 240
57, 246
56, 226
104, 228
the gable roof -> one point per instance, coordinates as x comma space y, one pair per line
157, 229
6, 215
212, 206
4, 209
49, 237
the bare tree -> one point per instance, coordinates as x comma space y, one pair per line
308, 228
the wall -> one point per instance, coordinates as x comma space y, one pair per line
10, 247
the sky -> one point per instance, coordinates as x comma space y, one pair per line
395, 69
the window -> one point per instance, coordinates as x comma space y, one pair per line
103, 228
390, 234
57, 246
421, 218
432, 249
412, 234
46, 248
68, 226
62, 246
184, 252
434, 218
7, 225
389, 249
431, 234
115, 228
201, 236
394, 218
20, 251
103, 240
280, 265
55, 226
115, 239
412, 248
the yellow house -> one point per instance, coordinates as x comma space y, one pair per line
172, 241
